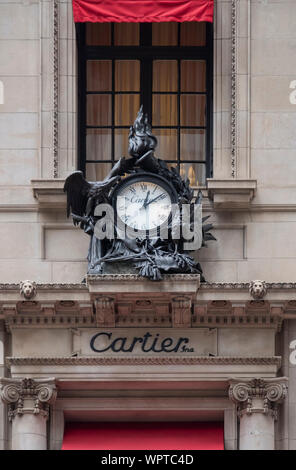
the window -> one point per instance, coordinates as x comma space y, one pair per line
167, 67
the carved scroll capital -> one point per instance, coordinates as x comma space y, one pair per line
258, 395
28, 395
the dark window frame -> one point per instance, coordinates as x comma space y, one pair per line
147, 54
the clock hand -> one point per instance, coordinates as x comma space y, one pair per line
145, 200
162, 195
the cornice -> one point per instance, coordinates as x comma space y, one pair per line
227, 286
46, 286
245, 285
135, 278
92, 360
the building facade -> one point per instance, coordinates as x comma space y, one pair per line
238, 372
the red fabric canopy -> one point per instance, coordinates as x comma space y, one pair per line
144, 436
142, 11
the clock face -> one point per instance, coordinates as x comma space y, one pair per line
144, 204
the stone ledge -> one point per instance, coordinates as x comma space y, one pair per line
49, 193
121, 283
144, 370
268, 360
205, 286
231, 193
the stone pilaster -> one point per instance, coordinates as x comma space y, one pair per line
28, 403
257, 401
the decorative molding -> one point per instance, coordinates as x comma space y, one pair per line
46, 286
94, 278
233, 124
204, 286
92, 360
25, 396
245, 393
245, 285
241, 316
55, 87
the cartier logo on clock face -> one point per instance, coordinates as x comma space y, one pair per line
144, 203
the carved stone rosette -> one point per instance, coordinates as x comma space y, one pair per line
25, 396
258, 395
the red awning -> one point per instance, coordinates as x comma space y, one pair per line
144, 11
144, 436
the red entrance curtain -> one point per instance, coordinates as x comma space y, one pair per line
144, 436
138, 11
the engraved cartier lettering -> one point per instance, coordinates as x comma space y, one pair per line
105, 341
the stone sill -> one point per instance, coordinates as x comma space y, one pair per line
225, 194
231, 193
49, 193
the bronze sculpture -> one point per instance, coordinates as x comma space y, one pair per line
149, 256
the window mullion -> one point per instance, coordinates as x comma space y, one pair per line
146, 70
82, 86
146, 87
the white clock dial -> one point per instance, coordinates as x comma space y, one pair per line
143, 205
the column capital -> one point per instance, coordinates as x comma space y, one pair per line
258, 395
28, 395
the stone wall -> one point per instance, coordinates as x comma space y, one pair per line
253, 72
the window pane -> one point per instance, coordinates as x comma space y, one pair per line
121, 143
164, 34
193, 34
98, 144
167, 143
98, 110
193, 110
127, 75
193, 144
164, 110
99, 75
195, 172
98, 34
193, 75
97, 171
126, 109
126, 34
165, 75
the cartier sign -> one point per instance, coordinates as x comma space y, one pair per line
141, 341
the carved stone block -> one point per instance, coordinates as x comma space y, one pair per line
181, 312
105, 311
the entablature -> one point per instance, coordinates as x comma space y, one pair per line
179, 301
